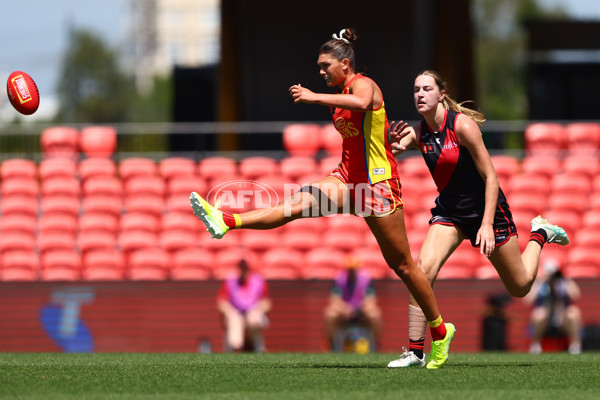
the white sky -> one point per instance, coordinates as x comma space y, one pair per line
33, 37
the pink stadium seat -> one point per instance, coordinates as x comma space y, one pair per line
571, 201
587, 236
18, 223
527, 183
57, 167
146, 185
99, 222
230, 242
541, 164
171, 167
372, 261
103, 265
215, 166
581, 164
55, 240
61, 265
270, 190
571, 183
61, 186
181, 221
591, 218
346, 223
178, 203
18, 168
301, 240
462, 264
137, 166
260, 240
137, 240
18, 205
89, 241
506, 167
145, 203
16, 241
583, 262
555, 252
186, 184
140, 221
96, 166
305, 180
331, 140
415, 167
302, 139
583, 137
19, 265
281, 263
328, 164
98, 141
192, 264
323, 263
227, 262
486, 271
255, 166
27, 187
174, 239
568, 219
531, 202
149, 265
58, 222
102, 204
60, 204
294, 167
545, 138
345, 241
103, 186
60, 141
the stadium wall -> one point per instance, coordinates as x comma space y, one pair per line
178, 316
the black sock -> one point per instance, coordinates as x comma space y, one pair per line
540, 236
416, 346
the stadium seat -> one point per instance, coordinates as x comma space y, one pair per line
16, 241
581, 164
230, 242
57, 167
571, 183
323, 263
98, 141
92, 167
415, 167
328, 164
103, 265
61, 186
215, 166
136, 167
346, 223
131, 241
570, 201
61, 265
294, 167
55, 240
569, 220
18, 205
27, 187
527, 183
109, 186
541, 164
462, 264
304, 180
149, 265
591, 218
302, 139
18, 168
145, 186
583, 137
486, 271
99, 222
331, 140
173, 240
594, 200
58, 222
281, 263
587, 236
301, 240
179, 203
60, 204
140, 221
19, 265
88, 241
145, 204
192, 264
272, 189
60, 141
506, 167
18, 223
181, 221
555, 252
372, 261
254, 166
531, 202
344, 240
102, 204
171, 167
583, 262
260, 240
227, 262
186, 184
545, 138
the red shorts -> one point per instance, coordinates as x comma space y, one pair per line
379, 199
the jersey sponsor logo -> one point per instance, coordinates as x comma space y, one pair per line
347, 130
378, 171
449, 146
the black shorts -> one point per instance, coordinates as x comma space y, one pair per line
504, 227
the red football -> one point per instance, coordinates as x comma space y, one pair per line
23, 93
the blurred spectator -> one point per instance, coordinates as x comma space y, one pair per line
554, 312
495, 322
244, 302
352, 303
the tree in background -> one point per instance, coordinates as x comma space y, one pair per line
500, 51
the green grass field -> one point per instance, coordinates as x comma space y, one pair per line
511, 376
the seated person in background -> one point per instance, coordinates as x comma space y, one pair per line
244, 302
554, 311
352, 300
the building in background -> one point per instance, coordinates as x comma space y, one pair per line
162, 34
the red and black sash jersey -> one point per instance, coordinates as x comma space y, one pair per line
461, 188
